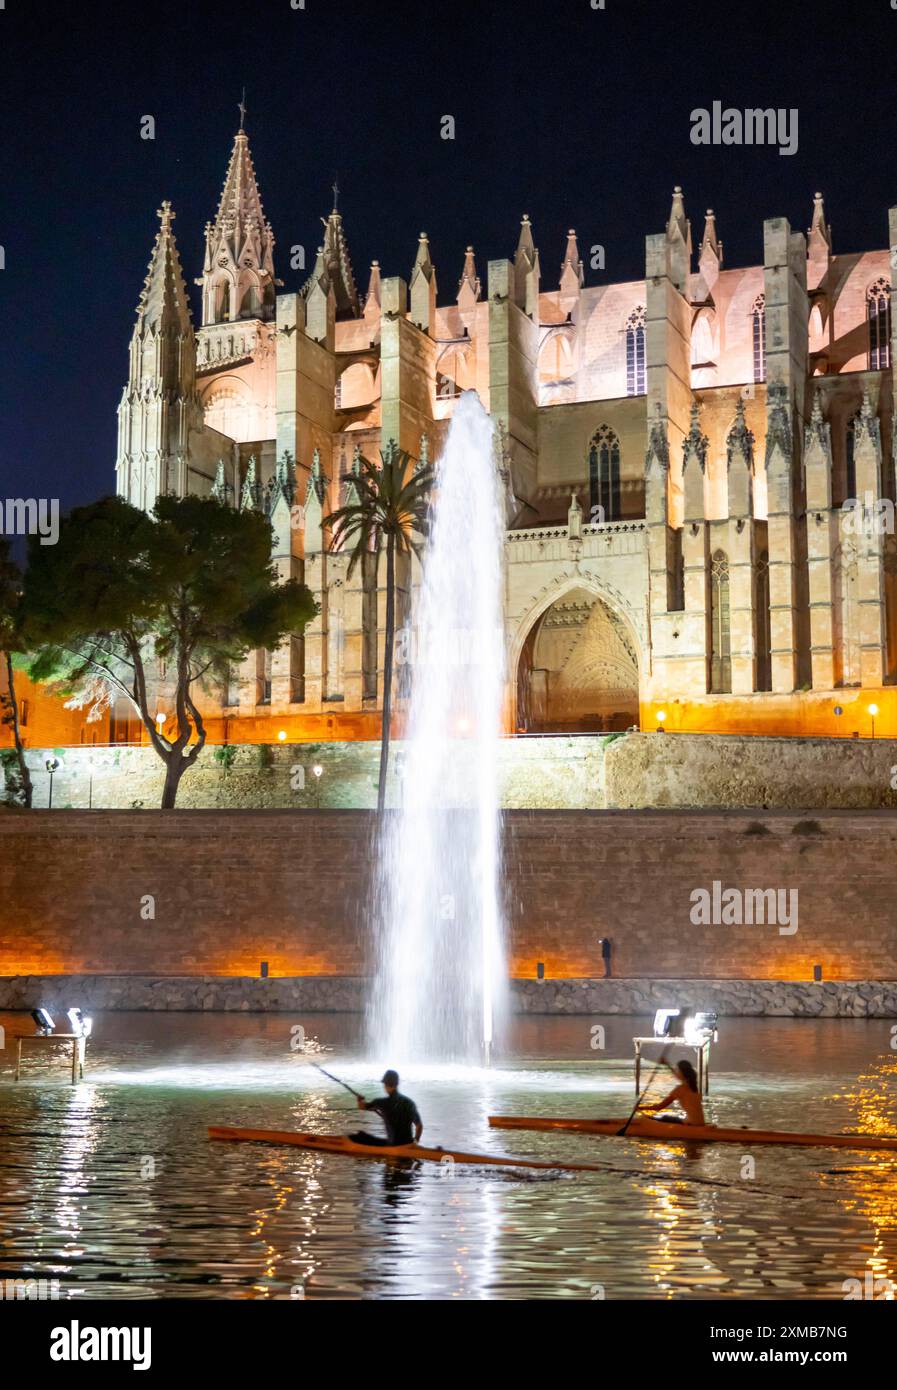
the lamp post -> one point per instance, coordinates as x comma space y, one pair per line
317, 773
52, 765
661, 720
873, 711
160, 722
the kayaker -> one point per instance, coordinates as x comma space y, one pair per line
685, 1094
398, 1113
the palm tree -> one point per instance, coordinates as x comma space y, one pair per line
10, 641
388, 505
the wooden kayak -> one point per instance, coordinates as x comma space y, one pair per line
701, 1134
341, 1144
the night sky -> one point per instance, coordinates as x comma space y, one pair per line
579, 117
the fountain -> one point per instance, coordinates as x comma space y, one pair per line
440, 963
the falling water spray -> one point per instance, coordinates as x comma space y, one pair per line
441, 978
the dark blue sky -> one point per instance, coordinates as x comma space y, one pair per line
578, 116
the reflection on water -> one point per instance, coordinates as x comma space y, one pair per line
112, 1187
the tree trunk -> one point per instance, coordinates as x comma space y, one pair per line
387, 671
175, 767
24, 774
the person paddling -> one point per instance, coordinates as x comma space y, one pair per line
685, 1094
398, 1113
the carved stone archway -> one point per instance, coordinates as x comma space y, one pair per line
576, 665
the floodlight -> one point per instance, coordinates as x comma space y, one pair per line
43, 1020
701, 1027
662, 1020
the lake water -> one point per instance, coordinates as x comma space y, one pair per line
113, 1188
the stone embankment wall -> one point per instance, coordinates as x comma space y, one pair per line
216, 893
534, 772
703, 770
586, 772
325, 994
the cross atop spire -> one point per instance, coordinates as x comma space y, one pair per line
241, 107
166, 215
335, 186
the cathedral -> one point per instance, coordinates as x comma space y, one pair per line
699, 464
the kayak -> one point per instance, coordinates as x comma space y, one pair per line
341, 1144
701, 1134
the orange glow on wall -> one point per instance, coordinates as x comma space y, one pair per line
800, 714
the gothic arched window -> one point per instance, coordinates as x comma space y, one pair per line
604, 474
720, 641
758, 318
635, 352
878, 315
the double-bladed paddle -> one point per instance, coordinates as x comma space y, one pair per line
638, 1100
344, 1084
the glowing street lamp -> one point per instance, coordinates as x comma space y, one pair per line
317, 772
282, 735
873, 710
661, 720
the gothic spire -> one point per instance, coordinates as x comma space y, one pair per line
334, 260
695, 444
710, 241
571, 266
678, 225
238, 272
251, 494
740, 439
422, 287
221, 488
819, 228
372, 298
283, 484
527, 270
469, 287
163, 300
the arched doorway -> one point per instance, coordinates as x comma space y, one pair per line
578, 669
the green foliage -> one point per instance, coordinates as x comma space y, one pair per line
14, 791
265, 756
388, 506
391, 500
195, 577
192, 583
18, 782
607, 739
224, 755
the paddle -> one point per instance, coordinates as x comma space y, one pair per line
344, 1085
638, 1100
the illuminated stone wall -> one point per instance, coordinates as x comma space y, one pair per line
204, 893
559, 772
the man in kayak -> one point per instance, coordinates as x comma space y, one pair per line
685, 1094
398, 1113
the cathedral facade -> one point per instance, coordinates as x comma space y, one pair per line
699, 464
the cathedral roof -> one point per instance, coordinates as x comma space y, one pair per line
163, 300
